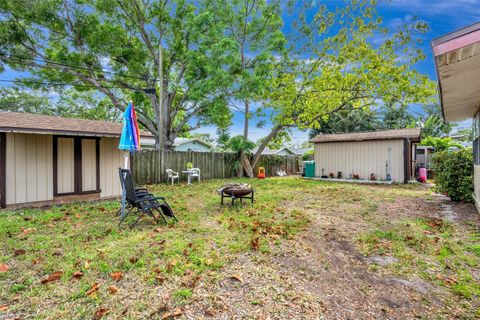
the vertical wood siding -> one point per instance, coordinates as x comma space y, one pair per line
362, 157
66, 165
89, 170
29, 176
476, 185
111, 158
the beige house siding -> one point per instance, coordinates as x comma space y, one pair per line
89, 165
29, 167
362, 157
476, 185
111, 158
29, 170
65, 165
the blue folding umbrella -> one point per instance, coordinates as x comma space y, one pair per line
129, 141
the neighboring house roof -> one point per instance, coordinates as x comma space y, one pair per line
35, 123
267, 150
301, 151
411, 133
180, 141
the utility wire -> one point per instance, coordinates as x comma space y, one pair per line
58, 84
12, 56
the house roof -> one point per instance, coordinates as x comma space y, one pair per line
180, 141
267, 150
301, 151
410, 133
35, 123
457, 62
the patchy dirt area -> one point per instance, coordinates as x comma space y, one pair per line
304, 250
321, 274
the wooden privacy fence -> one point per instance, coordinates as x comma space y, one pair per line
147, 167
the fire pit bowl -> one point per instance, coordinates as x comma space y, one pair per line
236, 191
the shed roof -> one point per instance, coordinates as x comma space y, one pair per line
35, 123
410, 133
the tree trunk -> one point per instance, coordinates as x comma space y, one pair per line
245, 163
275, 131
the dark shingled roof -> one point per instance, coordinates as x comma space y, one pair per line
35, 123
411, 133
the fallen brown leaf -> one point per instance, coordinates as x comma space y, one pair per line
174, 313
19, 252
210, 312
133, 260
159, 277
113, 289
93, 290
255, 243
4, 267
3, 307
100, 313
27, 231
158, 230
237, 277
77, 274
116, 276
171, 264
53, 277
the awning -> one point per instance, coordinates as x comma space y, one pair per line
457, 61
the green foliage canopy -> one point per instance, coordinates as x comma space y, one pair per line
112, 47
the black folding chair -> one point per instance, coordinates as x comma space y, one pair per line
138, 191
142, 201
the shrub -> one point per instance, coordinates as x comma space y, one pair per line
454, 174
308, 155
440, 144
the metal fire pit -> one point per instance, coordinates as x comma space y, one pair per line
236, 191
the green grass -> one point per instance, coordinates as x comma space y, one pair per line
85, 237
434, 249
169, 260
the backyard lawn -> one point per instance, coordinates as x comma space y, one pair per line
305, 250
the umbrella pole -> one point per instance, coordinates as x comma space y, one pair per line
125, 166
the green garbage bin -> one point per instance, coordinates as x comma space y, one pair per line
309, 169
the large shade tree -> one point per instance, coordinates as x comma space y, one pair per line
254, 26
344, 59
114, 47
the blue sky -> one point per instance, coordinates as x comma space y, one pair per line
442, 16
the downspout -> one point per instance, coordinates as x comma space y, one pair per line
406, 145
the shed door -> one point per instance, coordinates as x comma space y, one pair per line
76, 165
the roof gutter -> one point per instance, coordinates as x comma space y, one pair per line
61, 132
